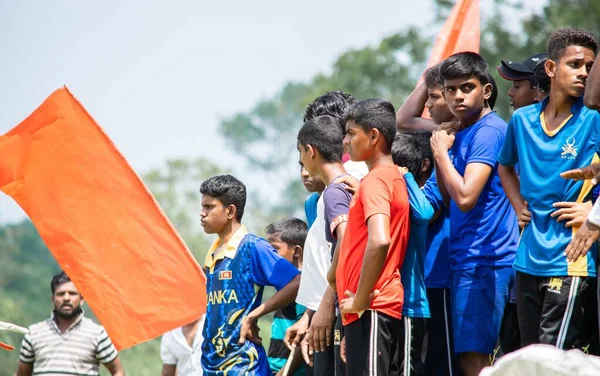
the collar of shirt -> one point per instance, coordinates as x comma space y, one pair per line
71, 327
228, 250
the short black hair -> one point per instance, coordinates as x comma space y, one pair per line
228, 190
410, 149
333, 103
59, 279
563, 38
432, 77
465, 64
542, 80
324, 134
375, 113
290, 230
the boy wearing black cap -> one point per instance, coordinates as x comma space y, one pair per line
523, 90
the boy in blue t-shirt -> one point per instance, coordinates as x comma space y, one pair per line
287, 236
483, 236
556, 135
411, 151
237, 267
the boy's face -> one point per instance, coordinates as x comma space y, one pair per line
213, 215
311, 184
466, 96
438, 109
283, 249
308, 160
357, 142
571, 71
522, 93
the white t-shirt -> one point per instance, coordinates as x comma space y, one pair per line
357, 169
316, 262
594, 216
174, 349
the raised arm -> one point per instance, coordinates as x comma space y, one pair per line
409, 117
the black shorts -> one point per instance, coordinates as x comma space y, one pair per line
324, 361
372, 345
338, 330
412, 336
550, 310
510, 335
440, 359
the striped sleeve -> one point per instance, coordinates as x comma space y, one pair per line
27, 354
105, 351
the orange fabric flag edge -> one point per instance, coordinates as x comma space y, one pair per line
461, 32
101, 222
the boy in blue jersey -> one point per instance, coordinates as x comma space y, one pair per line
320, 145
412, 152
484, 234
237, 267
440, 348
556, 135
287, 236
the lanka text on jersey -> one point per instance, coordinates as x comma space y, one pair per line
235, 277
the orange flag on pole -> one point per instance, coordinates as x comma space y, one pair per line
100, 222
461, 32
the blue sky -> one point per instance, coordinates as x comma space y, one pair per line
158, 75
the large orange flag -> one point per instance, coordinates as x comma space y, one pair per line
100, 222
461, 32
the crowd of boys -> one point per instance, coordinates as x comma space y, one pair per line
431, 244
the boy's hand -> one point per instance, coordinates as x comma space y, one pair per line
451, 127
350, 305
441, 141
343, 349
350, 182
576, 213
321, 326
295, 333
403, 170
306, 352
525, 215
250, 331
585, 173
582, 241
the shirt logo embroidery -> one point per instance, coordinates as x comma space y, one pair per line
555, 285
226, 274
569, 149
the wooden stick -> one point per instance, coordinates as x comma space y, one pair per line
288, 363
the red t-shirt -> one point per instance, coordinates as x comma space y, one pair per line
382, 191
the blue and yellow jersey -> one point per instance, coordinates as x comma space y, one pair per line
542, 155
235, 277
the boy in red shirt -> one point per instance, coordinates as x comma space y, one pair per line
373, 249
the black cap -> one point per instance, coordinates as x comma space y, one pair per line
520, 70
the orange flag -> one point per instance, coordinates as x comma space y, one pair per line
100, 222
461, 32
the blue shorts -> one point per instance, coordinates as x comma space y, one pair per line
478, 299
